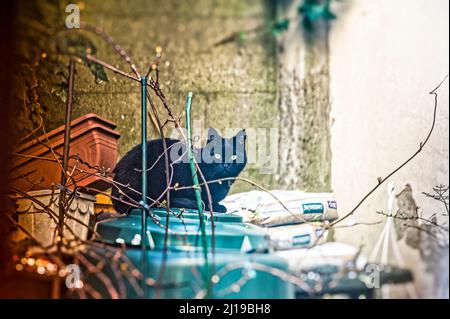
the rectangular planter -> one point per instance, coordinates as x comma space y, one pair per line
34, 218
93, 139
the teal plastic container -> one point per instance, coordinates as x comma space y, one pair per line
240, 266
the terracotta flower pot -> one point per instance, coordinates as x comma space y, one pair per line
41, 224
92, 138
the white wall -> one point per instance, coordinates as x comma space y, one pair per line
385, 57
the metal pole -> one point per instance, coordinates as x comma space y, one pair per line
56, 284
144, 183
197, 190
66, 149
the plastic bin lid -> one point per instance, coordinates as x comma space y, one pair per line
229, 231
193, 214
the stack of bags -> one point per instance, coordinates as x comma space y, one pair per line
295, 227
292, 219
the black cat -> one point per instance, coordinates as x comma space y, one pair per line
219, 158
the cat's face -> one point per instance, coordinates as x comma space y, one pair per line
226, 155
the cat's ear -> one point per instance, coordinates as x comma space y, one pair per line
241, 137
212, 134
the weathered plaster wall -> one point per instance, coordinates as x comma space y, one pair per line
303, 103
385, 56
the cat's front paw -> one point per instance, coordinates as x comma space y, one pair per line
219, 208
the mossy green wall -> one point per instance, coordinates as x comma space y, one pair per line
234, 84
255, 83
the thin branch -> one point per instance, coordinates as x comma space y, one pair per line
421, 146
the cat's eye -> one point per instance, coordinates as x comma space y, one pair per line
217, 156
233, 157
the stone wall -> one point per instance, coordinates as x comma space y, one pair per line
234, 84
252, 83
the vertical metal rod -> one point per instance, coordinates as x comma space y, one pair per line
197, 191
66, 149
144, 183
56, 284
